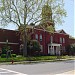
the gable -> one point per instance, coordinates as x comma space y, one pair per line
61, 31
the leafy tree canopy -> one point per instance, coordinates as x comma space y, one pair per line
23, 12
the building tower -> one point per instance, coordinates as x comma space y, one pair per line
46, 13
47, 16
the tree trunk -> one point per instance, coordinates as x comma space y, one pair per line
25, 44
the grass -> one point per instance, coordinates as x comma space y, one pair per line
37, 58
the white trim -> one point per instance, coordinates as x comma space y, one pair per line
54, 44
40, 37
61, 33
9, 43
51, 39
63, 40
36, 36
52, 51
49, 31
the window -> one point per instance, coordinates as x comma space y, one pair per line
51, 39
41, 46
40, 37
36, 36
63, 40
60, 40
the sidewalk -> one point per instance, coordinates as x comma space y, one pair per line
68, 73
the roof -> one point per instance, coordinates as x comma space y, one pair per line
71, 37
7, 29
61, 31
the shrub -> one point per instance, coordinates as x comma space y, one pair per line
5, 49
72, 51
34, 48
13, 55
3, 55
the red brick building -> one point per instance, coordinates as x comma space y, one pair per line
51, 43
11, 38
71, 40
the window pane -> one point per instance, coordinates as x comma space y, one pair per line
36, 36
40, 37
63, 40
51, 39
60, 40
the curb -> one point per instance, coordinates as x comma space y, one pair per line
32, 62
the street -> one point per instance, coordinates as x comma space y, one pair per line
44, 68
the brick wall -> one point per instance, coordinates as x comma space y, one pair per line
12, 37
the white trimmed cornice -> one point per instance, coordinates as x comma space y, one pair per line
9, 43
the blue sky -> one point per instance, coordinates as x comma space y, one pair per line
68, 26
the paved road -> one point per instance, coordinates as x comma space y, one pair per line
46, 68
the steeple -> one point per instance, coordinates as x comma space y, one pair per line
47, 21
46, 13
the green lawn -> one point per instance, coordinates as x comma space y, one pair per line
37, 58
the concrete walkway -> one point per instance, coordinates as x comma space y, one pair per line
68, 73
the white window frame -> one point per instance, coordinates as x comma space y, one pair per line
36, 36
63, 40
40, 37
51, 39
60, 40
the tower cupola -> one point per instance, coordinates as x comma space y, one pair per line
46, 13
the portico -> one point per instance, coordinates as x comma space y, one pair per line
54, 49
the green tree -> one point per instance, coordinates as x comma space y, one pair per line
72, 49
24, 12
34, 47
6, 50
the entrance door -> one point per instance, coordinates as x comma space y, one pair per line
51, 50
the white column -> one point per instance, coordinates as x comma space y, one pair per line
53, 50
59, 50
